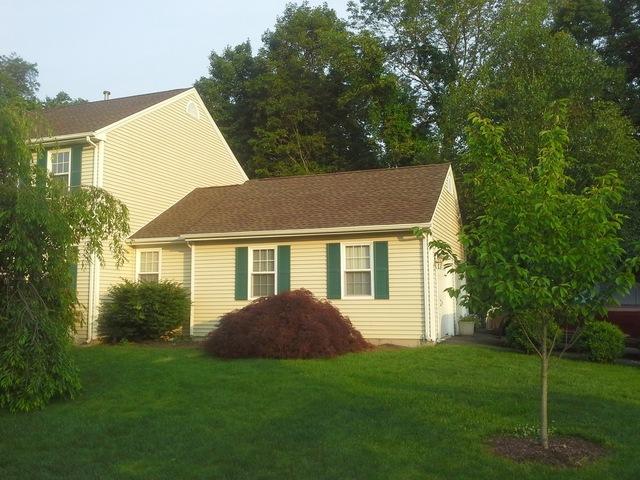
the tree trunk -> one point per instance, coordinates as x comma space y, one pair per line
544, 421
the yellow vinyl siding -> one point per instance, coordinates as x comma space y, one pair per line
154, 160
445, 224
400, 317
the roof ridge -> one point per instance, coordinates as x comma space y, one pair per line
59, 107
345, 172
325, 174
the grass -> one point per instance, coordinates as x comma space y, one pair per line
171, 413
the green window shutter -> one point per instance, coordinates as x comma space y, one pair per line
76, 166
242, 272
334, 284
381, 270
42, 158
73, 270
284, 268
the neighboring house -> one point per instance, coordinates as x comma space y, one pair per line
148, 151
627, 314
343, 236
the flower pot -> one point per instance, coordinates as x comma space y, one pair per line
466, 328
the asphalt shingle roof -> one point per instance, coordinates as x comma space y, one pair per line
394, 196
92, 116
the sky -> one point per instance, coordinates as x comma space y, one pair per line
130, 47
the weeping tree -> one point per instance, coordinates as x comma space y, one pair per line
45, 231
549, 256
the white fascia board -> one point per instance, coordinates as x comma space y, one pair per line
150, 109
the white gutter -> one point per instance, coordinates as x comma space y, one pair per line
192, 287
70, 137
300, 232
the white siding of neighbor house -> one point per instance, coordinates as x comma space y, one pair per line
399, 318
155, 159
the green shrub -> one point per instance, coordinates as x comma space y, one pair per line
144, 311
602, 341
516, 337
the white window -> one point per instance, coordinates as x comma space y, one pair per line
263, 272
357, 270
149, 265
60, 165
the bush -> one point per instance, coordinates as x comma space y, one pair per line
288, 325
602, 341
516, 337
144, 311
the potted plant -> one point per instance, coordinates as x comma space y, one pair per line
466, 325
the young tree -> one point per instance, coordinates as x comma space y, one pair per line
44, 228
549, 256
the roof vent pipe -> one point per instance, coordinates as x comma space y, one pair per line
106, 94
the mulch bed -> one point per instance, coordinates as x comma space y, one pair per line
562, 452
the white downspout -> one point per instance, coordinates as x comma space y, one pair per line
93, 269
426, 294
192, 286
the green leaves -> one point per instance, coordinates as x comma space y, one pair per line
540, 247
44, 228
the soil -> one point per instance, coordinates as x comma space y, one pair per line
562, 451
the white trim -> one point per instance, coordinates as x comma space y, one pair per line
426, 301
70, 138
192, 288
156, 240
50, 163
343, 269
140, 113
250, 271
139, 251
297, 232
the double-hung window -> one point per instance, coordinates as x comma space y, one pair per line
358, 273
149, 266
263, 272
60, 165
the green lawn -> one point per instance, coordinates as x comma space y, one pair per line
171, 413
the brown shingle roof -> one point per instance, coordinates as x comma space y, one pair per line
394, 196
91, 116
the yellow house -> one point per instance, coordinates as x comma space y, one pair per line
199, 221
147, 150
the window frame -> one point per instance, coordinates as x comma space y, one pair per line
250, 295
50, 154
139, 252
343, 269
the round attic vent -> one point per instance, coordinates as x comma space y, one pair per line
192, 109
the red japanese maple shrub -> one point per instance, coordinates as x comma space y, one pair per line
288, 325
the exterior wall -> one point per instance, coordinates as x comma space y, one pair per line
445, 225
154, 160
399, 319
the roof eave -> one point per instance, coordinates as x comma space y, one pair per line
62, 139
299, 232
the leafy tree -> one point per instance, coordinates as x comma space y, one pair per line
432, 44
44, 229
529, 66
612, 27
317, 97
18, 78
61, 98
549, 255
